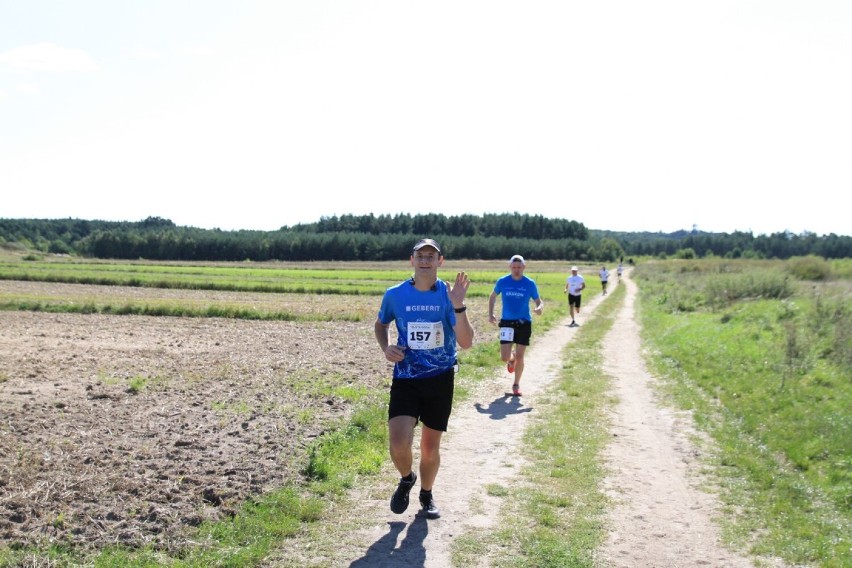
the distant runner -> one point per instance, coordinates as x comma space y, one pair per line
604, 274
574, 286
515, 322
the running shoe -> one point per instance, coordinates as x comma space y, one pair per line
399, 501
516, 390
430, 509
510, 366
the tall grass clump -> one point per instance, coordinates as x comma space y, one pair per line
763, 363
721, 290
809, 268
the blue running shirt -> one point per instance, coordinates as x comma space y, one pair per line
424, 324
516, 296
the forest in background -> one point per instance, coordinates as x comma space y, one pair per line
390, 237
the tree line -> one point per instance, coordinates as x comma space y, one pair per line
389, 237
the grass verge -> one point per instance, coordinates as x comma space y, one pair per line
767, 376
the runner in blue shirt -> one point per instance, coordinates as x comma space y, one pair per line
430, 318
515, 322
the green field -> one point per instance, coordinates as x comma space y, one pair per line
267, 291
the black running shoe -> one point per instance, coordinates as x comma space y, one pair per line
399, 501
430, 509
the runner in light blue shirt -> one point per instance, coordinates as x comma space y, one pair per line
516, 291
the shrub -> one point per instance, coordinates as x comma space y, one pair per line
809, 268
686, 253
59, 247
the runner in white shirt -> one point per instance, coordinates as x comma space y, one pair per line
574, 286
604, 278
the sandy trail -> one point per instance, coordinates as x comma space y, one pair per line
661, 518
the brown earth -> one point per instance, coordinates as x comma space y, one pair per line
85, 459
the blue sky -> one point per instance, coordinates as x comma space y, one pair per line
635, 116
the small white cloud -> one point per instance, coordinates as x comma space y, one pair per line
47, 57
146, 53
28, 89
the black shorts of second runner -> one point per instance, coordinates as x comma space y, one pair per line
523, 331
428, 400
574, 300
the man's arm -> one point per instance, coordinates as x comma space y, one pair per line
382, 336
463, 329
392, 353
492, 301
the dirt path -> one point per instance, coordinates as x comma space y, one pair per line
660, 519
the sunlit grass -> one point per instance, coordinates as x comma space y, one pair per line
767, 375
264, 292
262, 278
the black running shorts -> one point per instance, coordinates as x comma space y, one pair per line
523, 331
428, 400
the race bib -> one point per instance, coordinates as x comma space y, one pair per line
507, 334
425, 335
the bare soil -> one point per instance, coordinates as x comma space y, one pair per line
85, 459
